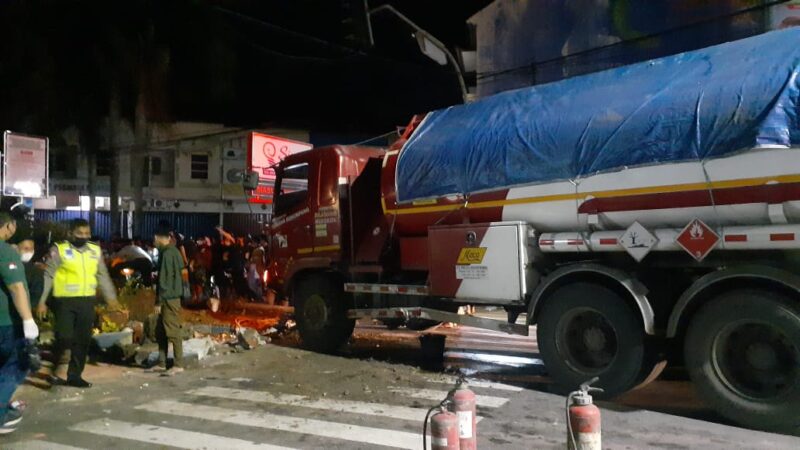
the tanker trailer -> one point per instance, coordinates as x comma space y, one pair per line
637, 215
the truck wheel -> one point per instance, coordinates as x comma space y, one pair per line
742, 351
585, 330
321, 313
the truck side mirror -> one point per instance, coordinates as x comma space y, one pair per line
250, 181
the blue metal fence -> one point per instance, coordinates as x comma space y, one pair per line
102, 225
189, 224
204, 224
243, 224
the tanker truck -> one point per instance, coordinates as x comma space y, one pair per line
643, 214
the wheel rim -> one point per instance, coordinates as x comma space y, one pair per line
315, 312
756, 360
586, 340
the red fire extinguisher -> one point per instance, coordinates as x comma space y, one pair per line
583, 419
444, 430
464, 405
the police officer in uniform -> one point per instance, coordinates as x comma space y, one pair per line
74, 272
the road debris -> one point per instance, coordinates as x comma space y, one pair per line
248, 338
198, 348
105, 341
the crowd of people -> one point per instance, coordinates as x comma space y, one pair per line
64, 278
221, 266
237, 265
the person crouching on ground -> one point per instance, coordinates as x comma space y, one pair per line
168, 302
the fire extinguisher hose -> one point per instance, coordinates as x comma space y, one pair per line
584, 388
425, 427
569, 422
443, 404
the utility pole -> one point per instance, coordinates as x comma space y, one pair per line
221, 178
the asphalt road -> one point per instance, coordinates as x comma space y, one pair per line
281, 397
373, 394
510, 359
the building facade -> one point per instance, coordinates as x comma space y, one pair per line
193, 175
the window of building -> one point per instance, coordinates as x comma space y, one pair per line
103, 163
58, 162
64, 162
199, 167
155, 166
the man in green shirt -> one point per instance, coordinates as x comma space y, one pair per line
16, 325
168, 302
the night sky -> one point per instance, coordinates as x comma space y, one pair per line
250, 63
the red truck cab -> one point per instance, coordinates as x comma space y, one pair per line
312, 215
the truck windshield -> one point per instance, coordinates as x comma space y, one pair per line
291, 188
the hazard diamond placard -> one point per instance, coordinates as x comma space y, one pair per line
698, 239
638, 241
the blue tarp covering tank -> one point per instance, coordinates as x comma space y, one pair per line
692, 106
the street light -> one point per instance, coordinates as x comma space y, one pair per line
428, 45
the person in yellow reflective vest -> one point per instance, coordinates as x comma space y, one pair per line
74, 273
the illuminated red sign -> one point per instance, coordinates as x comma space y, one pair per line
264, 152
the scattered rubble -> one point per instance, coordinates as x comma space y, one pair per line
248, 338
204, 329
129, 336
138, 330
199, 347
142, 357
105, 341
118, 318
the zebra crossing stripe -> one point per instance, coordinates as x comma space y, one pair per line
171, 437
479, 383
434, 395
38, 445
321, 428
345, 406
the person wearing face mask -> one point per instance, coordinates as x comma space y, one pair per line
16, 325
75, 271
34, 271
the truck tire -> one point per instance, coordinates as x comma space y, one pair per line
586, 330
321, 312
742, 351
